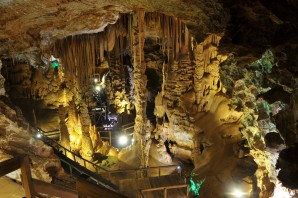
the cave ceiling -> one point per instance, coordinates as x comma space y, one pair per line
26, 24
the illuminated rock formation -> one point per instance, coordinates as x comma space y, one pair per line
18, 137
208, 84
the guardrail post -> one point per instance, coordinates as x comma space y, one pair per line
187, 190
70, 170
165, 193
109, 175
26, 177
96, 169
110, 136
141, 192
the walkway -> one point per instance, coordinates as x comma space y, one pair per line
142, 182
78, 165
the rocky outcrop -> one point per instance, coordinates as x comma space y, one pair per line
16, 139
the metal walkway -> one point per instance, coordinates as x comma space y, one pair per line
78, 165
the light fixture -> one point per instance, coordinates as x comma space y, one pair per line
95, 80
179, 170
97, 88
38, 135
123, 140
238, 193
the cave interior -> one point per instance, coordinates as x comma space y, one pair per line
151, 94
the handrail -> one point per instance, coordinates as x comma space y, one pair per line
165, 188
147, 170
110, 138
128, 124
85, 161
55, 144
32, 187
129, 127
55, 130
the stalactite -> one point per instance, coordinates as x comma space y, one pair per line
81, 54
177, 48
64, 134
111, 38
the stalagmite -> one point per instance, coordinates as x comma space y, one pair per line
64, 135
81, 56
140, 82
87, 147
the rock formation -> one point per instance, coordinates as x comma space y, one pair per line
211, 85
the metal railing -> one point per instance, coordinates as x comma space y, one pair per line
52, 134
153, 171
127, 127
124, 129
71, 155
137, 172
165, 189
109, 139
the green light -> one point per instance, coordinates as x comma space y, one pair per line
55, 64
195, 187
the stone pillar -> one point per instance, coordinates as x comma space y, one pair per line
87, 147
140, 82
64, 135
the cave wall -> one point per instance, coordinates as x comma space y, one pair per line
18, 137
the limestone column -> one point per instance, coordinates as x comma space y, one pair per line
87, 147
64, 135
140, 82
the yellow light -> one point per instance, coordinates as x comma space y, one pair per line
72, 138
98, 88
238, 193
